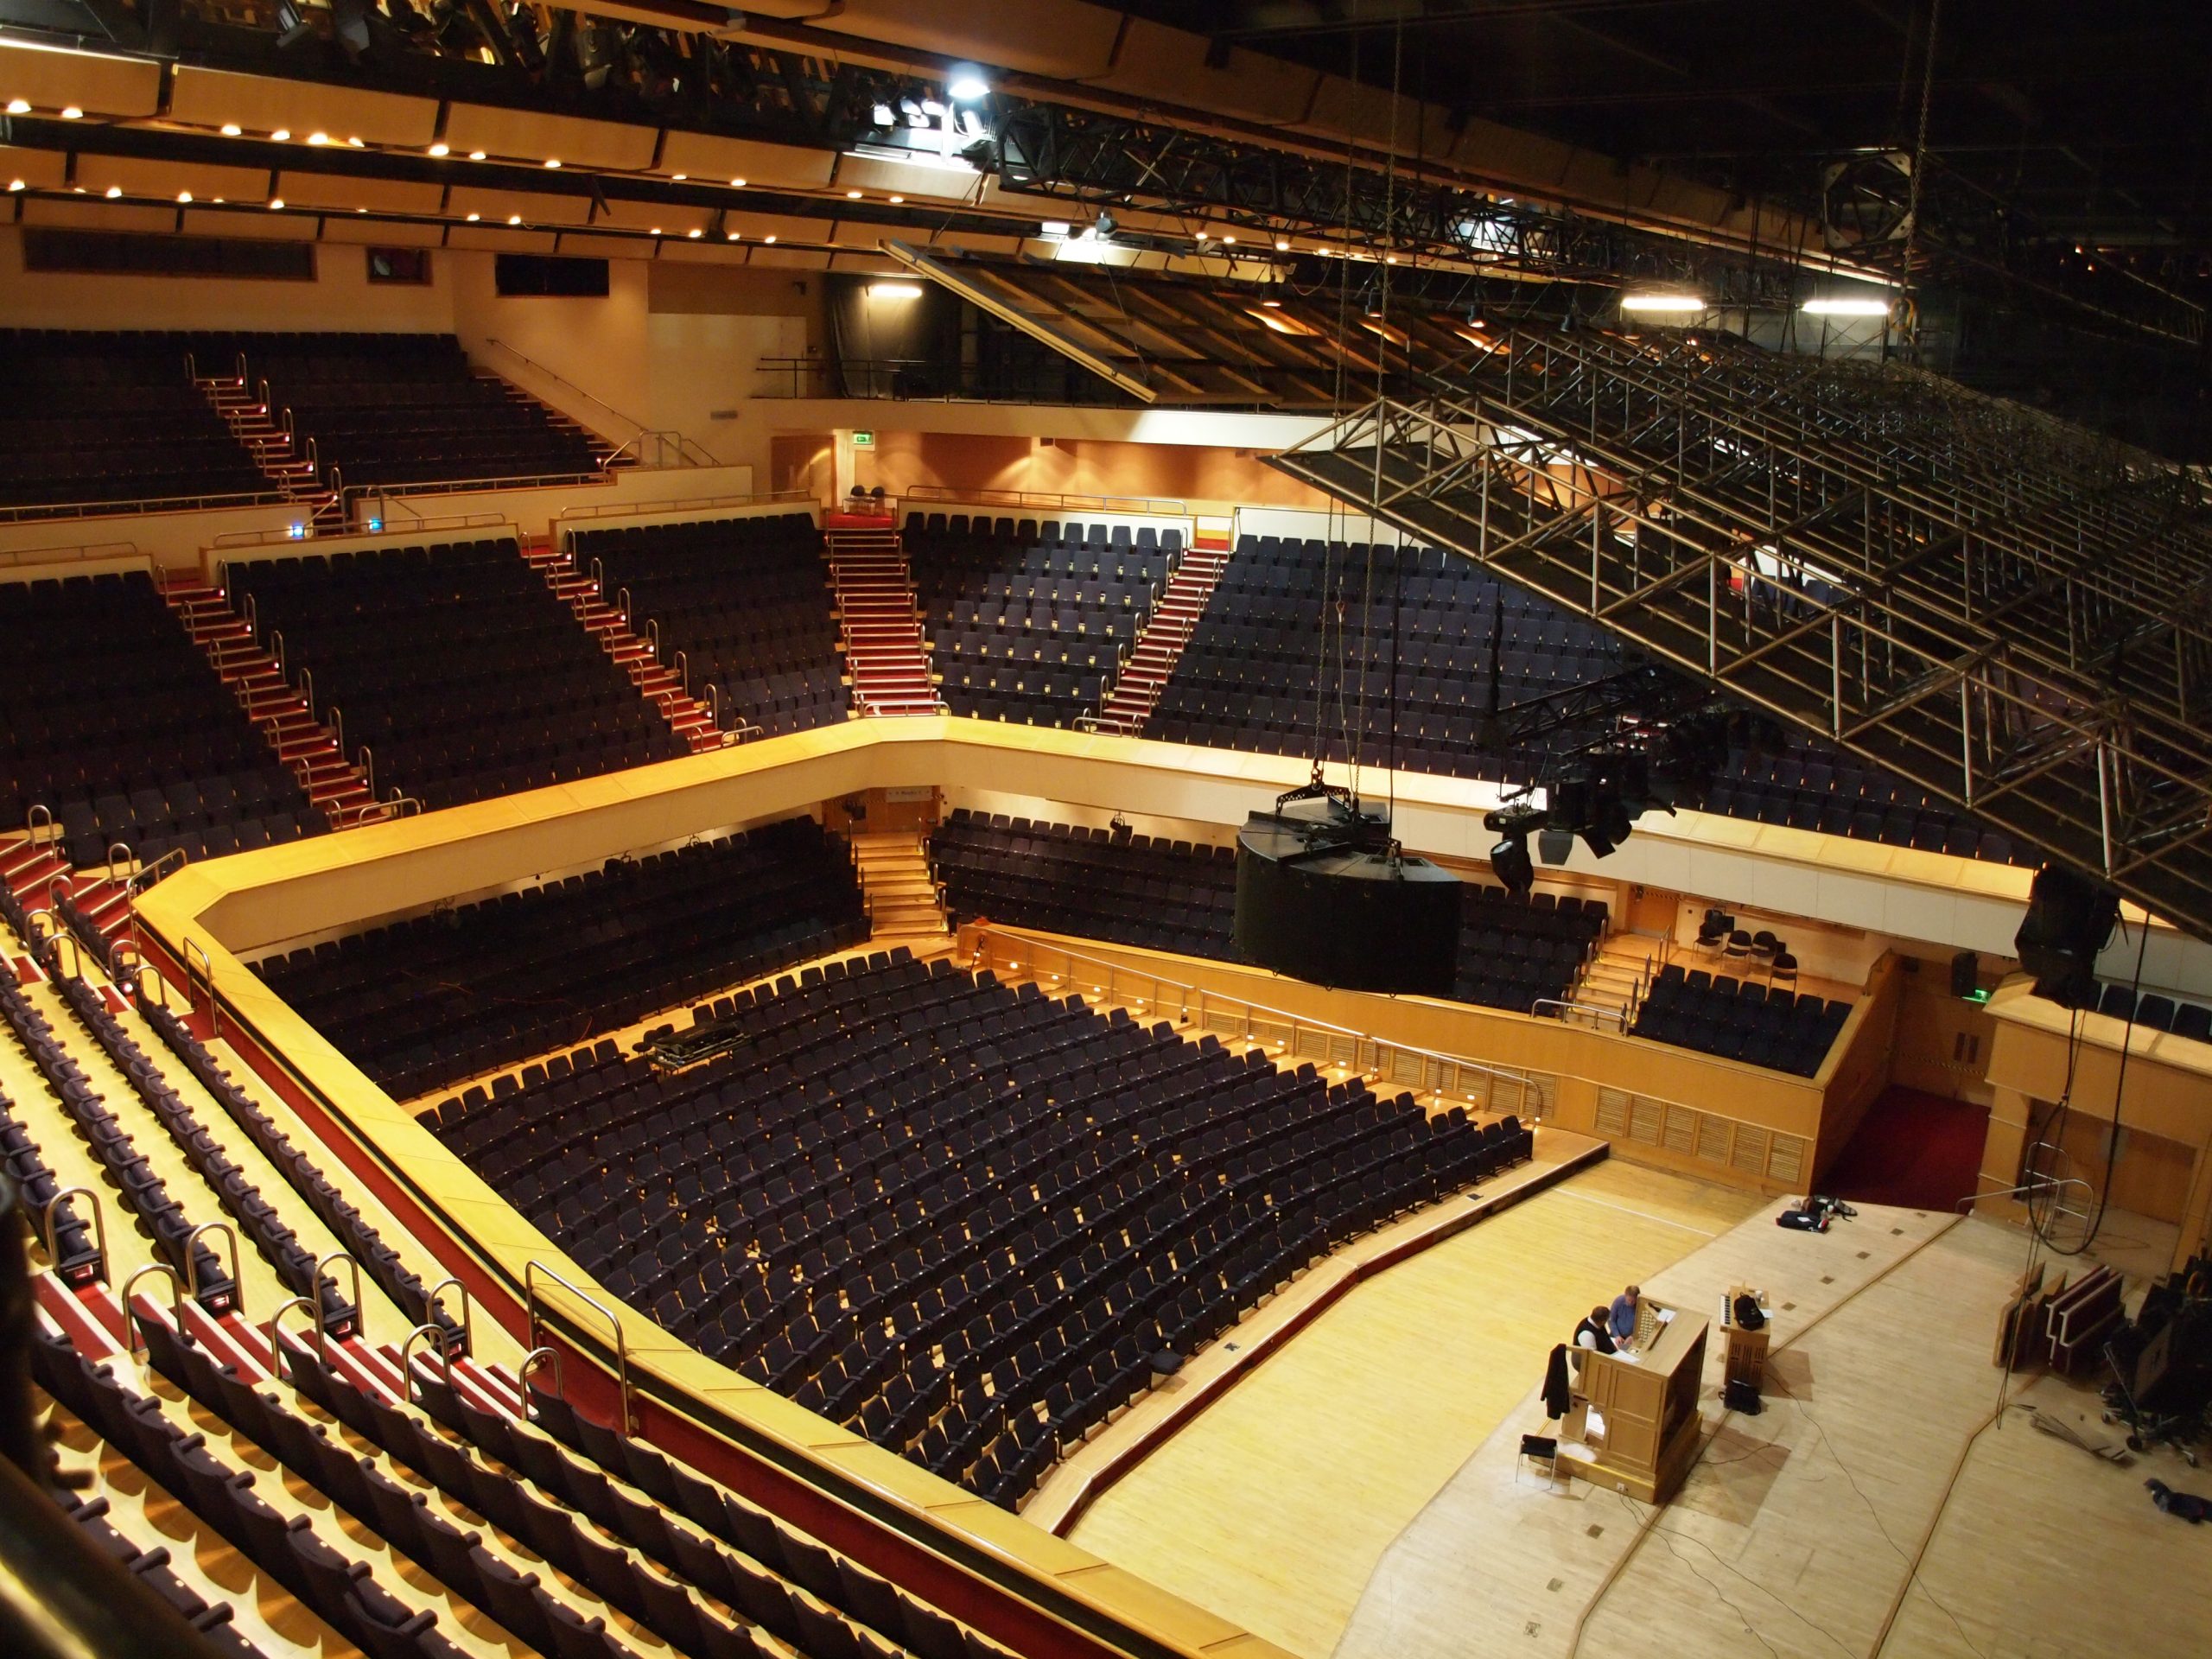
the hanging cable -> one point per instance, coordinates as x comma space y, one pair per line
2119, 1091
1919, 168
1358, 737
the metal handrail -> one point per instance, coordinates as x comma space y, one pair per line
130, 1315
76, 553
139, 507
530, 1270
192, 1263
555, 374
702, 504
159, 870
191, 947
99, 1224
276, 1345
2047, 1182
354, 1268
1295, 1021
421, 527
530, 1363
1542, 1002
1158, 506
407, 1354
307, 688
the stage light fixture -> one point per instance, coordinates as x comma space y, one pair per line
1554, 846
890, 290
1509, 859
1841, 305
967, 85
19, 106
1647, 301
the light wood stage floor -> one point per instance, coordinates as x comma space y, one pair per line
1361, 1492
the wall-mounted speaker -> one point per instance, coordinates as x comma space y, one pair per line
1966, 973
2070, 917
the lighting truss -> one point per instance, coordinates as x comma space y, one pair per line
1099, 160
2006, 611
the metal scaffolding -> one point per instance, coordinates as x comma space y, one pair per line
2006, 611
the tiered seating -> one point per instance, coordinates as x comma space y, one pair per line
101, 418
456, 993
111, 718
1029, 622
2157, 1012
961, 1220
746, 601
1740, 1020
410, 408
1245, 681
456, 667
1099, 884
1516, 948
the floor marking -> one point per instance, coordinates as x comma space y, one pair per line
1643, 1215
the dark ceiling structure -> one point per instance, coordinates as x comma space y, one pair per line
2064, 186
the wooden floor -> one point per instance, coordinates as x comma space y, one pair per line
1274, 1507
1884, 1504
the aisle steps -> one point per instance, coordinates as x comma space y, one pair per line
658, 685
882, 622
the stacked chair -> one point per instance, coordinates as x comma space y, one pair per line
1029, 622
114, 719
455, 666
969, 1222
748, 603
420, 1003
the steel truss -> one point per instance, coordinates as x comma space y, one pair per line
2003, 609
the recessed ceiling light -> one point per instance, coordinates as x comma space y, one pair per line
737, 184
767, 238
281, 135
1389, 258
184, 195
895, 199
360, 210
441, 148
852, 195
232, 130
694, 235
19, 106
1282, 244
113, 191
1272, 305
729, 236
72, 114
276, 204
1229, 241
220, 202
476, 154
679, 177
656, 230
553, 160
316, 140
968, 85
514, 219
15, 184
355, 144
473, 218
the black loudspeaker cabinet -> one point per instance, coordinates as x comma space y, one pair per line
1349, 920
1966, 973
2070, 917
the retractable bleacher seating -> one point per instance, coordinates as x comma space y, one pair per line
1246, 678
1745, 1020
958, 1218
1028, 622
410, 409
455, 666
113, 719
1099, 884
96, 418
746, 601
421, 1003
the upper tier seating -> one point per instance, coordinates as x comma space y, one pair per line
1748, 1022
410, 409
456, 993
99, 417
2155, 1011
1098, 884
957, 1218
1245, 681
111, 718
455, 666
1028, 622
1173, 895
748, 603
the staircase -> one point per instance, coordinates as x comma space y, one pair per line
883, 632
662, 686
1144, 677
605, 454
272, 448
332, 783
1609, 980
895, 874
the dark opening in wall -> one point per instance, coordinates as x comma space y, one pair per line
124, 253
520, 275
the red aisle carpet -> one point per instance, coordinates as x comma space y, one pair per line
1918, 1151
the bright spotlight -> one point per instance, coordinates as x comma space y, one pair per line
1677, 303
894, 291
1848, 306
967, 85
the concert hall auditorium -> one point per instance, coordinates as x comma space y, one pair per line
1105, 830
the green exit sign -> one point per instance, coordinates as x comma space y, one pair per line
863, 440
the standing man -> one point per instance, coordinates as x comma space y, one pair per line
1623, 1313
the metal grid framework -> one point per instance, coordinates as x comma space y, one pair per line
2007, 611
